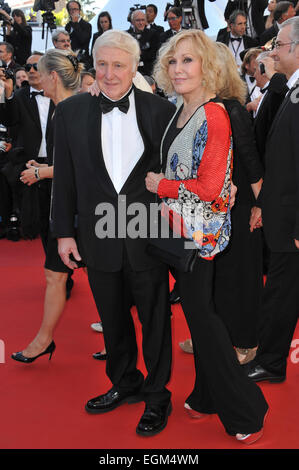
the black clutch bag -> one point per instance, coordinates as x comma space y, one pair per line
173, 252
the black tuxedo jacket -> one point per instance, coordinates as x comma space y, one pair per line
80, 34
166, 35
279, 196
269, 34
202, 14
248, 41
81, 180
158, 29
258, 8
149, 45
22, 112
263, 121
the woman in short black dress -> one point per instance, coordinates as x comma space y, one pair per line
60, 77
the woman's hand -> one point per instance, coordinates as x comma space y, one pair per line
94, 89
152, 181
256, 218
28, 176
233, 192
35, 164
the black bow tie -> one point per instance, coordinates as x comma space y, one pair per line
263, 90
35, 93
251, 79
236, 39
122, 104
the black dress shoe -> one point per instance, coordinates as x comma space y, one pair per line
154, 419
100, 356
174, 297
111, 400
258, 374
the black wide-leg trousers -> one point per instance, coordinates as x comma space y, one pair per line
279, 312
113, 292
221, 385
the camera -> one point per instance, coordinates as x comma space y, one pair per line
7, 72
4, 6
4, 138
45, 5
136, 6
262, 68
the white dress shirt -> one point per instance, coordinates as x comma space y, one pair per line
236, 47
122, 144
43, 104
293, 79
262, 97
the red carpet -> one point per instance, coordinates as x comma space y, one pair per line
42, 404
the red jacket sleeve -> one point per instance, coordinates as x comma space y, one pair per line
212, 168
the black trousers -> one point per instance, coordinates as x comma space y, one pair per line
279, 312
113, 293
221, 384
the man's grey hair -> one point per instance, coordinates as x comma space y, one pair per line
135, 13
262, 56
119, 40
294, 33
57, 32
235, 14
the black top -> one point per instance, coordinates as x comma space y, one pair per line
247, 167
20, 38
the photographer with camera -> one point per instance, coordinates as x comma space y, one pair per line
78, 29
18, 34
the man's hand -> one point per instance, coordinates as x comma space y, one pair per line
28, 176
152, 181
256, 218
67, 247
269, 66
8, 84
94, 90
297, 243
252, 106
233, 192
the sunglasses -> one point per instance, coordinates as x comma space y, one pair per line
28, 67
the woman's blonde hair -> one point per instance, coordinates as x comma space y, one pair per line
65, 64
229, 83
203, 47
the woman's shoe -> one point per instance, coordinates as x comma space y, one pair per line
186, 346
21, 358
193, 413
100, 356
251, 438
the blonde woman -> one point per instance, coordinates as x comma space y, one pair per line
60, 77
197, 164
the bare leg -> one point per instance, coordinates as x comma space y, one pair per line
53, 307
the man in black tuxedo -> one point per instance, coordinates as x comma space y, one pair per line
254, 10
273, 88
174, 17
236, 39
151, 13
279, 199
283, 11
148, 40
119, 134
6, 55
78, 29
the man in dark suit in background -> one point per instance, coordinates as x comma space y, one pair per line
283, 11
148, 40
151, 13
236, 39
6, 55
279, 199
254, 10
109, 180
174, 18
78, 29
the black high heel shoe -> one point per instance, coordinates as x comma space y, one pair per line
19, 356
